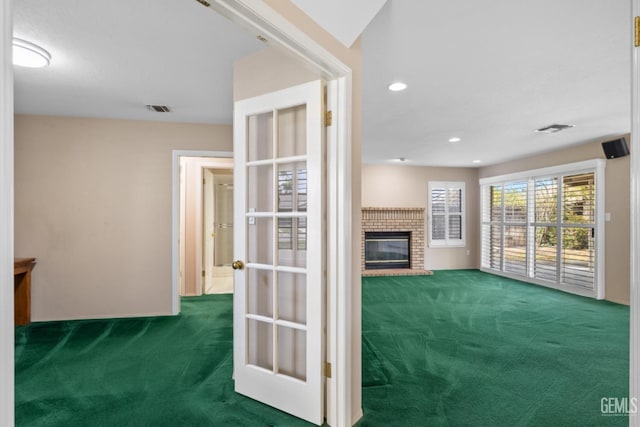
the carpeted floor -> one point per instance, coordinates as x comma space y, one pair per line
158, 371
469, 348
455, 348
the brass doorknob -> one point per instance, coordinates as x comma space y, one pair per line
237, 265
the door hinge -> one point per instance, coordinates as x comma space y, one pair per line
636, 38
202, 273
327, 369
328, 118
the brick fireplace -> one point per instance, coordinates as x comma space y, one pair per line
398, 220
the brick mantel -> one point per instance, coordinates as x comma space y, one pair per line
397, 219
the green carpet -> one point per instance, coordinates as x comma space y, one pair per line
455, 348
468, 348
157, 371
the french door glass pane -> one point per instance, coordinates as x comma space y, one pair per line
260, 343
292, 187
260, 137
290, 253
292, 360
292, 297
292, 131
260, 292
545, 253
260, 239
259, 196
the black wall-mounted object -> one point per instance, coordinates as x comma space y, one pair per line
616, 148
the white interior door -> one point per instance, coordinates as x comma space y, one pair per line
279, 299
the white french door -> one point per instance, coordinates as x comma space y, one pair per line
279, 241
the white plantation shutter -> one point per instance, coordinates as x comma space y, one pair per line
446, 214
546, 226
515, 227
578, 230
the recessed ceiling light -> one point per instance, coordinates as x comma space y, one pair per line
476, 161
455, 139
27, 54
397, 86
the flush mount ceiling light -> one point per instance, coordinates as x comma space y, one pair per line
455, 139
476, 161
553, 128
400, 159
397, 86
27, 54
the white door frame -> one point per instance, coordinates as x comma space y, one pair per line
260, 19
6, 217
634, 345
175, 217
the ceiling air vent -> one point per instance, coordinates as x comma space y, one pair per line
158, 108
553, 128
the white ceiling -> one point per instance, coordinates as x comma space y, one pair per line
111, 58
345, 20
490, 72
487, 71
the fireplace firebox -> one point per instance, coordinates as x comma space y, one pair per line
387, 249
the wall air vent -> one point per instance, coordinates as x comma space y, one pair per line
553, 128
158, 108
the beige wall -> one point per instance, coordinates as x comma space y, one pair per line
93, 205
407, 187
617, 192
352, 58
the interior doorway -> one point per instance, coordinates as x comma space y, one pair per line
200, 201
217, 237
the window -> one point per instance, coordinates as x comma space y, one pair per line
546, 226
446, 214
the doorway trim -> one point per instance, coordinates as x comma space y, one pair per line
262, 20
175, 217
634, 327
